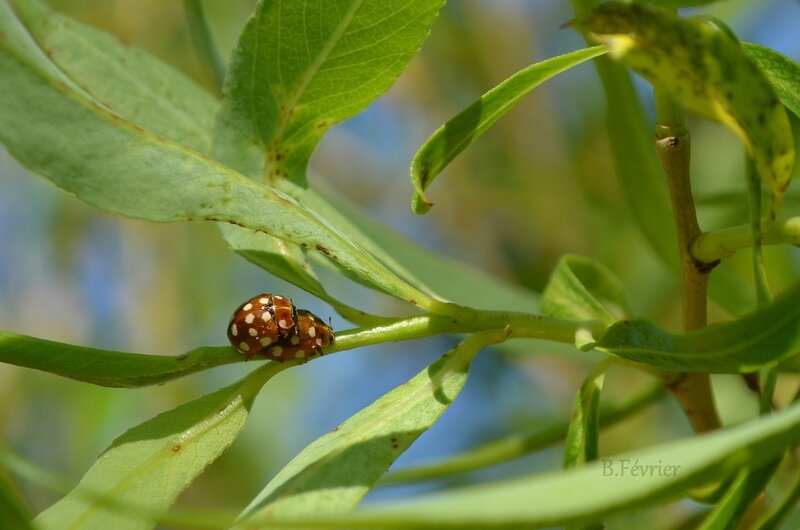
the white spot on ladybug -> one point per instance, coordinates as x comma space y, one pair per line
243, 346
249, 318
252, 332
234, 331
266, 316
300, 354
312, 331
263, 301
248, 307
276, 350
279, 297
319, 342
266, 341
295, 340
282, 323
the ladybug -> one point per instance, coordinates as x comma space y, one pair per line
272, 327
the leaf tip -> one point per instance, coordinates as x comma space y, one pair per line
420, 204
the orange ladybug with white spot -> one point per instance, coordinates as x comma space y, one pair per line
270, 326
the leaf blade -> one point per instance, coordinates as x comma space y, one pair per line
106, 367
722, 83
334, 472
143, 471
740, 346
467, 126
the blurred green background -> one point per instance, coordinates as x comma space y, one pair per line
538, 185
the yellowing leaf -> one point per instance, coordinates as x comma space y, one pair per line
708, 72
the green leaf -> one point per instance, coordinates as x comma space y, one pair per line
461, 131
597, 490
453, 280
782, 72
708, 72
127, 81
518, 445
584, 289
740, 495
583, 435
143, 471
744, 345
119, 167
14, 514
301, 67
105, 367
333, 473
676, 3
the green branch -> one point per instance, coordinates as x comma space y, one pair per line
712, 246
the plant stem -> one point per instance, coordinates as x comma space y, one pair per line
712, 246
673, 146
518, 325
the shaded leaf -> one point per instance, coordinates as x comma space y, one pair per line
14, 514
143, 471
583, 434
707, 71
461, 131
743, 345
106, 367
333, 473
584, 494
584, 289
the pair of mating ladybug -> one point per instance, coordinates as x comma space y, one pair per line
272, 327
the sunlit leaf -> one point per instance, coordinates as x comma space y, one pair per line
461, 131
106, 367
301, 67
743, 345
783, 73
599, 489
707, 71
333, 474
118, 167
543, 435
129, 82
143, 471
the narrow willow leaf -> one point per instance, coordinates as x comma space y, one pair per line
14, 514
129, 82
118, 167
288, 262
106, 367
516, 446
583, 434
584, 289
708, 72
783, 507
744, 345
453, 280
332, 474
661, 474
301, 67
461, 131
676, 3
783, 73
143, 471
740, 495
